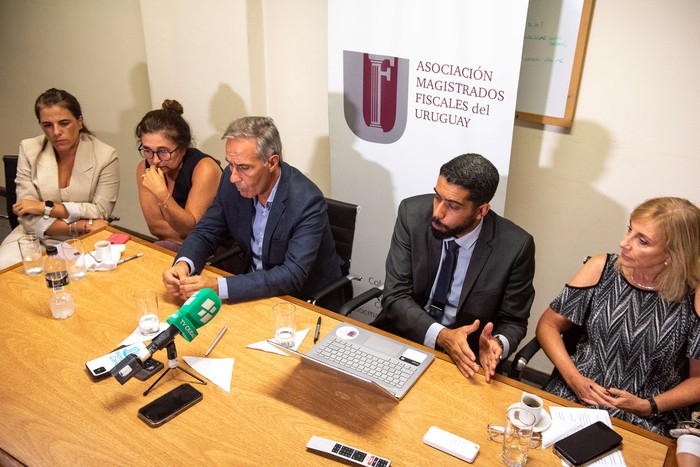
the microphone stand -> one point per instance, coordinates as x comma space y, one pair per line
173, 364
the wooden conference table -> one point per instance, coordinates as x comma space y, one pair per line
54, 414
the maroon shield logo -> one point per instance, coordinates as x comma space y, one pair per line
375, 96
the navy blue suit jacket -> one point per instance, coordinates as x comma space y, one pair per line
298, 254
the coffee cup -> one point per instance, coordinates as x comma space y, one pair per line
532, 403
103, 251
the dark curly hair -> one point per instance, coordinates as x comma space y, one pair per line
168, 120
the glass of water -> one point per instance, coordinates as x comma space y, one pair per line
74, 256
517, 436
147, 306
284, 324
30, 249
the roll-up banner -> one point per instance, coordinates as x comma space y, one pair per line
411, 85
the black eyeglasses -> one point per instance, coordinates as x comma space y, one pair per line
162, 153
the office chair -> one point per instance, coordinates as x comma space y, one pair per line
364, 297
570, 337
524, 355
10, 164
228, 257
342, 218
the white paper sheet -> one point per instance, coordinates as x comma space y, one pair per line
299, 337
585, 417
91, 263
217, 370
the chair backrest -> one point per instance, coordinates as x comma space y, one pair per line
10, 165
342, 217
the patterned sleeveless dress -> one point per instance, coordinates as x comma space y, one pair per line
633, 340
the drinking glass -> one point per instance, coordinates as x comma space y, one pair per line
30, 249
284, 324
147, 306
74, 256
517, 436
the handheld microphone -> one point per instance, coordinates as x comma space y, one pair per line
197, 311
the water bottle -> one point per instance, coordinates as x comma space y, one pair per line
61, 302
55, 269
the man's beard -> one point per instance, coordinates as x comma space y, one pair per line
454, 232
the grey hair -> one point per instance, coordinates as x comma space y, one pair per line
263, 130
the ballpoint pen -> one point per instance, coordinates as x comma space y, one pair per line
216, 341
318, 329
137, 255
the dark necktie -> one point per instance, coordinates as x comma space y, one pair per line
442, 288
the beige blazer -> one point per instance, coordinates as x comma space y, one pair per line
94, 183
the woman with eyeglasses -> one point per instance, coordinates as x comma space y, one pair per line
176, 182
67, 179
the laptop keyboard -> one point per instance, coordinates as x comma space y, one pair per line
363, 360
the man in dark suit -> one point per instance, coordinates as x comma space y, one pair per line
275, 214
480, 307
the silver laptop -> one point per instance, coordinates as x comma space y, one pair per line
368, 359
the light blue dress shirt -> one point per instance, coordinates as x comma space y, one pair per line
256, 241
262, 213
466, 248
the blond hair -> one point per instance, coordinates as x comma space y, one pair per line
678, 222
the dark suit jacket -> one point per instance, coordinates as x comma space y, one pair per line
298, 254
498, 286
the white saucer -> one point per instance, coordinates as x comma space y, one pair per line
545, 419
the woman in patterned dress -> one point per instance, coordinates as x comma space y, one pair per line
639, 356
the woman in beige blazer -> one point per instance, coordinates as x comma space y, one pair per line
67, 180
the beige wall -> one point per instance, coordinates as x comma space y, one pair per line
297, 81
633, 135
633, 138
94, 50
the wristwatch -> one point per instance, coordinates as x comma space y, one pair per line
48, 206
654, 408
500, 344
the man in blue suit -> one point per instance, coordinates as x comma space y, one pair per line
274, 213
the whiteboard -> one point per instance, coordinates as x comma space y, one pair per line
553, 48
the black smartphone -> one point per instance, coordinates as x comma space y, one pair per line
587, 444
169, 405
